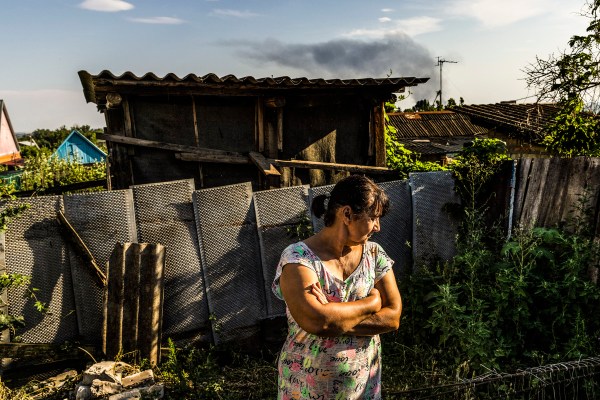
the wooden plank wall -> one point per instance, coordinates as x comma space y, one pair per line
549, 191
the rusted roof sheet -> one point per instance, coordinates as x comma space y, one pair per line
432, 124
129, 79
514, 119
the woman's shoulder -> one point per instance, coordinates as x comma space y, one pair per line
375, 249
373, 246
297, 251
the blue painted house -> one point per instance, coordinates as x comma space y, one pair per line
78, 148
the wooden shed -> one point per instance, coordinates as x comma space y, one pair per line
79, 149
270, 131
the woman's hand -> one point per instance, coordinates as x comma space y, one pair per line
376, 297
317, 291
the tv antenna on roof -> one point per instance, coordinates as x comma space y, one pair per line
440, 63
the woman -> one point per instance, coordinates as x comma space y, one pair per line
341, 293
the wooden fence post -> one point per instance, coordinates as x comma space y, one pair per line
134, 303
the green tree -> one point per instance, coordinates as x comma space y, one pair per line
451, 103
423, 105
51, 139
572, 79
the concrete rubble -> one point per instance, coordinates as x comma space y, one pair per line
117, 381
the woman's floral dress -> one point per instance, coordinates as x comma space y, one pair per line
343, 367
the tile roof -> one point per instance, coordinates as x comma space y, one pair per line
514, 119
107, 78
432, 124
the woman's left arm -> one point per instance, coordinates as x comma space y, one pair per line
388, 318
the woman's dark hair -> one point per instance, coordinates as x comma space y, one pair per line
356, 191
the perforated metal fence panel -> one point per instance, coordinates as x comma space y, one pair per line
434, 227
35, 247
164, 214
230, 253
317, 223
278, 211
101, 219
395, 235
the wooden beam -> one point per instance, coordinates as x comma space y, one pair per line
379, 127
47, 351
364, 169
280, 129
207, 158
83, 249
260, 124
211, 154
264, 166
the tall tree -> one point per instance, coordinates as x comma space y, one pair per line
572, 79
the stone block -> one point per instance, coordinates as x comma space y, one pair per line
142, 378
153, 392
83, 392
109, 371
103, 388
129, 395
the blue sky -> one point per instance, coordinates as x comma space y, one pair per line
45, 42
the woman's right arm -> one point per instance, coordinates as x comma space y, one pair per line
331, 319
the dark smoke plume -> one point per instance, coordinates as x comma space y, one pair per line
349, 58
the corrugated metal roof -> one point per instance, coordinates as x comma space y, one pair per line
515, 119
432, 124
107, 78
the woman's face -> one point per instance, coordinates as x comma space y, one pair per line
362, 226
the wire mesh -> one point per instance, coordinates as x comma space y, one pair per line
230, 253
35, 247
395, 235
317, 223
562, 381
101, 219
164, 214
434, 226
278, 211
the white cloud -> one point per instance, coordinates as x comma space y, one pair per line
384, 19
233, 13
387, 10
106, 5
158, 20
411, 27
494, 13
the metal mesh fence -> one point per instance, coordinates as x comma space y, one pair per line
317, 223
395, 235
101, 219
35, 247
230, 253
434, 227
277, 211
564, 381
164, 214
